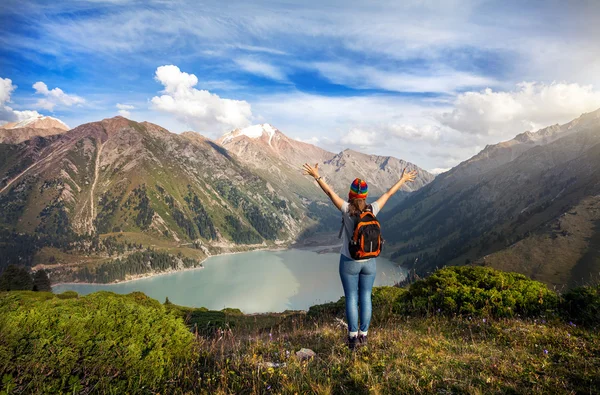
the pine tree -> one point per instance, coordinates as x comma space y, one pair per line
41, 282
16, 278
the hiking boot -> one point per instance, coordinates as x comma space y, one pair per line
362, 340
352, 342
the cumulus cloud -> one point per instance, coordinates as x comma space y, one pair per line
530, 106
55, 97
124, 109
6, 89
262, 69
7, 114
199, 108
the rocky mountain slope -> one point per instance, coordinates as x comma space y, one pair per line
266, 148
510, 192
16, 132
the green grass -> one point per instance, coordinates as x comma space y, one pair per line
50, 344
407, 355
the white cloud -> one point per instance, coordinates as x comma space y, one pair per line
125, 106
530, 106
368, 77
431, 134
360, 138
6, 89
198, 108
55, 97
426, 132
261, 68
7, 114
124, 109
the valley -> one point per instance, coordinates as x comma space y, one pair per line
84, 203
92, 200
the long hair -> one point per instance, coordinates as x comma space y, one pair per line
356, 206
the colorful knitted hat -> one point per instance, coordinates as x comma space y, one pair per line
358, 189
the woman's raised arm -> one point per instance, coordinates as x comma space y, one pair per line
314, 172
406, 177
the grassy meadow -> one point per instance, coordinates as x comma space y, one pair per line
463, 330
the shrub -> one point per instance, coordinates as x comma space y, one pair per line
103, 342
582, 304
384, 301
479, 291
68, 295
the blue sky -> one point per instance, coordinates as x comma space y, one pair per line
428, 81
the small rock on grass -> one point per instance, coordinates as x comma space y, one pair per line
305, 354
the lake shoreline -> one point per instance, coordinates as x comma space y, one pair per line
171, 271
256, 282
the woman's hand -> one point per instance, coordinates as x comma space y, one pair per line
408, 176
314, 171
311, 171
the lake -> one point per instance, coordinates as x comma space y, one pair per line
254, 282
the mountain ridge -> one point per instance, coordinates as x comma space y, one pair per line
476, 210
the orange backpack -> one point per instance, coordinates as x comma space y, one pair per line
366, 241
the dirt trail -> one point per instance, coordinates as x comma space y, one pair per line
93, 188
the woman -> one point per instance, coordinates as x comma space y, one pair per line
357, 276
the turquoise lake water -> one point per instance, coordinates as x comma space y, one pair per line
254, 282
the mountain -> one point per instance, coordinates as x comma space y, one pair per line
266, 148
108, 188
279, 159
17, 132
494, 208
85, 204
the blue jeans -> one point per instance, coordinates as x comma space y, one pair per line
357, 280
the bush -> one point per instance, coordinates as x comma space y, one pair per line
103, 343
478, 291
384, 301
582, 305
68, 295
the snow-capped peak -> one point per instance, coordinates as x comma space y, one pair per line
254, 132
40, 119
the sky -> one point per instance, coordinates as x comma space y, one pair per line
431, 82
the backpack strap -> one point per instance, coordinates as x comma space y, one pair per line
368, 208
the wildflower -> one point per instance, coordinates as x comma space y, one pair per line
571, 323
484, 320
270, 336
545, 352
268, 387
